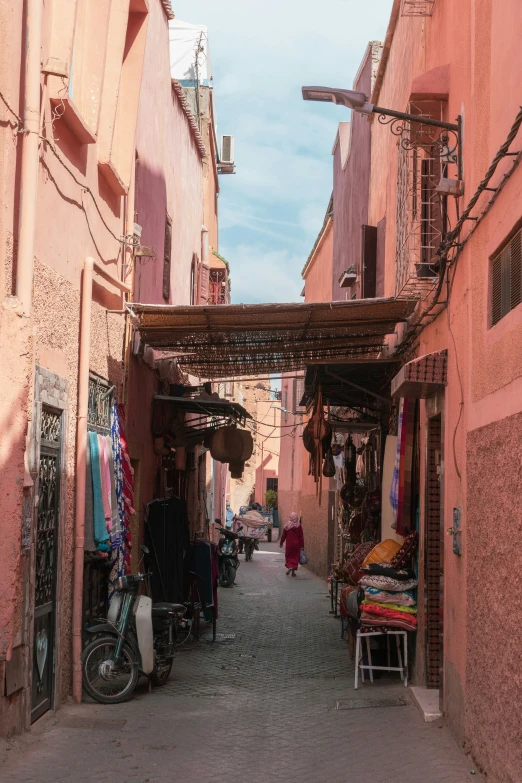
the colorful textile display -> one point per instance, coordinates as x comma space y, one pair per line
105, 480
387, 583
128, 484
393, 607
343, 598
351, 569
385, 597
389, 614
89, 543
101, 534
401, 489
118, 509
405, 554
386, 569
383, 552
369, 621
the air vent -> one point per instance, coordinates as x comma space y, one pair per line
227, 149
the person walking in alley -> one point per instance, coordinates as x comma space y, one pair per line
293, 535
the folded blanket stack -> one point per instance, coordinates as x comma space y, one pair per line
388, 598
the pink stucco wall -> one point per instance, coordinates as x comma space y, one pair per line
478, 41
268, 445
297, 490
69, 228
318, 272
169, 180
351, 176
168, 174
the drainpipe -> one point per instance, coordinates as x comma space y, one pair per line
29, 170
204, 245
81, 446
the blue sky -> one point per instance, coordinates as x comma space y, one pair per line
262, 53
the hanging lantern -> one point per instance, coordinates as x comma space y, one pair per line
229, 444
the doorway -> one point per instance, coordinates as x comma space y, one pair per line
434, 563
46, 548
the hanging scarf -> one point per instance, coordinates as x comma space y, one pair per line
101, 536
128, 484
401, 488
118, 532
105, 481
89, 543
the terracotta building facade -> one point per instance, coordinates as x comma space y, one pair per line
108, 195
437, 222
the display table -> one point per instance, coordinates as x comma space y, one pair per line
367, 634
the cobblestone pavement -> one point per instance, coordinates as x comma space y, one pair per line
257, 707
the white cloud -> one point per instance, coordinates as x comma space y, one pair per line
268, 276
262, 53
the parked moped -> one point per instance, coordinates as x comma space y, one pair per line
227, 555
138, 637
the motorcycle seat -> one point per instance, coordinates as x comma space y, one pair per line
165, 609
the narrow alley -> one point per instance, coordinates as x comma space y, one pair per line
260, 279
257, 705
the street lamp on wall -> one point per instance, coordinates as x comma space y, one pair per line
413, 130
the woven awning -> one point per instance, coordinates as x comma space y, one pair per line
358, 386
228, 341
421, 377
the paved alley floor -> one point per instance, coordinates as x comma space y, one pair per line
259, 705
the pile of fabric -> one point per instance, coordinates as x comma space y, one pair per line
109, 497
389, 598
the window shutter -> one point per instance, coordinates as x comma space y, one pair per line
506, 279
298, 395
496, 291
167, 254
516, 270
369, 262
204, 283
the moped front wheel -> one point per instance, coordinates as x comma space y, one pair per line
226, 579
105, 679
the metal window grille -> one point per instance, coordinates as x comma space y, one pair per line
99, 404
218, 292
417, 7
421, 213
506, 279
271, 484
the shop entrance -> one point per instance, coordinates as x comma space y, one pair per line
434, 556
47, 532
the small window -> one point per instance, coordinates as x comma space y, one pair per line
167, 255
284, 406
299, 390
271, 484
506, 279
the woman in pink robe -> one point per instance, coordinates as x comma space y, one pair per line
293, 535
